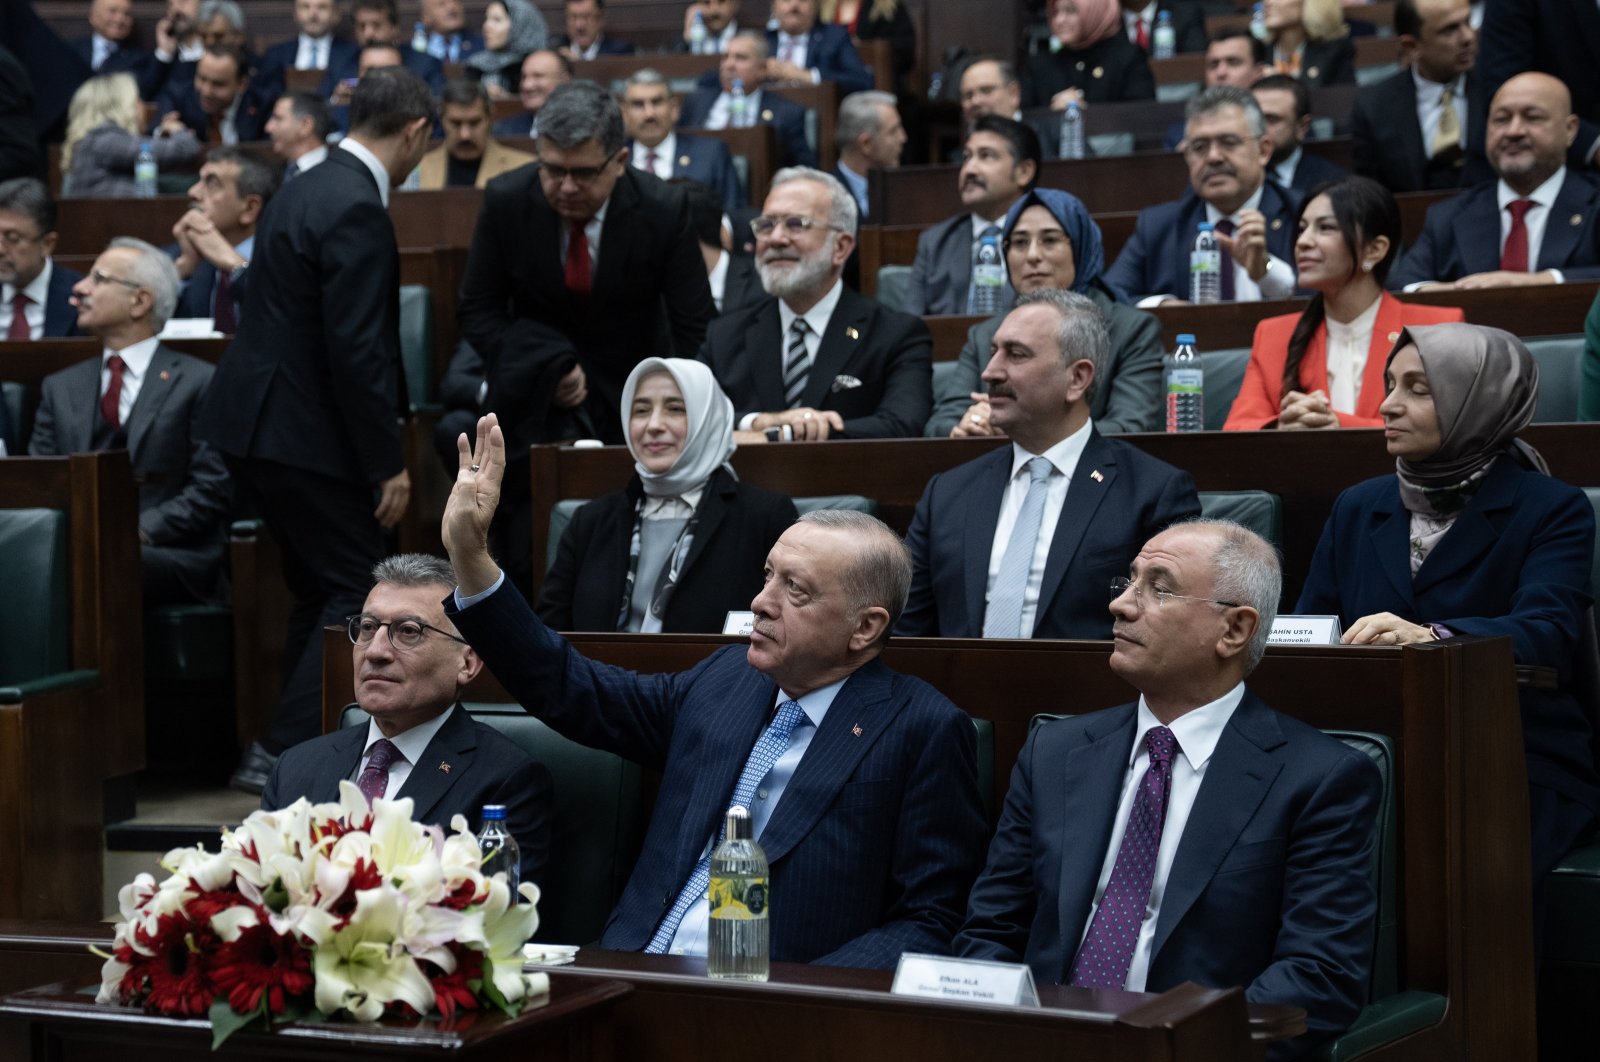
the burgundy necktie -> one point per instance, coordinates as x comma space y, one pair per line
223, 317
111, 401
1142, 38
374, 780
1227, 293
650, 163
1514, 258
1107, 950
19, 317
578, 260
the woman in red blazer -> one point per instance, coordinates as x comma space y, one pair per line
1349, 234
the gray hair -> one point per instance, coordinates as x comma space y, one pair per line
231, 12
576, 111
29, 196
756, 37
1217, 97
842, 214
1246, 571
1081, 335
880, 574
647, 76
414, 569
859, 115
154, 272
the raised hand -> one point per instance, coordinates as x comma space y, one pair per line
471, 505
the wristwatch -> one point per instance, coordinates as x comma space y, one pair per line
237, 271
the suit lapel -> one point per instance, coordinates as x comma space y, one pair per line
1391, 539
766, 369
343, 756
1478, 232
983, 517
76, 422
452, 747
616, 240
1091, 782
1241, 771
712, 510
159, 380
1409, 133
957, 253
1560, 232
847, 330
1084, 496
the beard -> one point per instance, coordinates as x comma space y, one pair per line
807, 274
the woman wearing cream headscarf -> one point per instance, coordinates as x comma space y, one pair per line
1094, 63
1471, 536
512, 30
685, 542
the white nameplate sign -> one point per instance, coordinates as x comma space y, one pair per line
965, 980
190, 328
740, 623
1305, 630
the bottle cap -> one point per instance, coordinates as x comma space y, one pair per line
494, 813
738, 824
738, 84
1205, 226
1185, 339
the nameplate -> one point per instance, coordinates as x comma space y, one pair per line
1003, 984
740, 623
190, 328
1305, 630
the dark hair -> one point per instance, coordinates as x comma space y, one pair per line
1285, 83
1024, 142
1258, 47
581, 110
1364, 210
29, 196
387, 100
463, 92
601, 4
386, 6
1407, 20
241, 68
310, 105
705, 210
256, 176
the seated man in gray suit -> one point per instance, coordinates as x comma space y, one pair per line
144, 397
999, 162
410, 664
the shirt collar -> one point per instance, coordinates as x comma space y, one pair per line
38, 289
1214, 215
1544, 195
818, 316
815, 704
1063, 456
1428, 91
412, 743
718, 277
312, 157
857, 183
136, 356
1361, 325
1197, 731
664, 150
245, 246
368, 159
1284, 170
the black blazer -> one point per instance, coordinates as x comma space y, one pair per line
195, 299
787, 118
313, 379
1107, 71
1559, 37
485, 767
649, 296
738, 525
874, 366
743, 284
1311, 171
1328, 63
60, 316
1386, 140
250, 121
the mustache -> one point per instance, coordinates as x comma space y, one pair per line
780, 254
1220, 169
974, 181
1002, 391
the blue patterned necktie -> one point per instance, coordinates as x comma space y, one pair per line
772, 743
1003, 617
796, 364
1107, 949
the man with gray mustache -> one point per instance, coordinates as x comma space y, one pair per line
815, 360
1227, 151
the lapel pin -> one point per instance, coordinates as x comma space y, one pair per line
852, 333
1080, 64
1096, 476
856, 730
1577, 219
445, 767
766, 115
1277, 223
1393, 336
683, 160
1311, 75
165, 375
1099, 71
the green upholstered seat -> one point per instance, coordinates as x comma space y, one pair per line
416, 342
11, 399
33, 556
944, 375
1258, 510
597, 823
1224, 373
1560, 361
894, 282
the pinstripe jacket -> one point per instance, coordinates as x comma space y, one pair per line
879, 833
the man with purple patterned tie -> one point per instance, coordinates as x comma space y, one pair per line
410, 663
1195, 835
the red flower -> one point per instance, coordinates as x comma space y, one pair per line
464, 896
364, 875
203, 905
178, 973
261, 964
452, 991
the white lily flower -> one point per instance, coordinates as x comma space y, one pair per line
364, 966
506, 927
235, 920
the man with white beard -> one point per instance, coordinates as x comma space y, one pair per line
815, 360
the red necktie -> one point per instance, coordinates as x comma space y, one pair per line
578, 260
223, 317
112, 399
19, 317
1514, 258
1142, 39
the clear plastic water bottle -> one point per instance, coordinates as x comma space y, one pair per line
1165, 40
1186, 387
738, 106
1205, 266
419, 39
988, 277
499, 848
145, 172
936, 85
1073, 142
739, 900
1258, 22
698, 34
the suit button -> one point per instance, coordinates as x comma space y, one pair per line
666, 899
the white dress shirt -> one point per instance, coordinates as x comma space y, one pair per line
718, 117
1429, 112
103, 49
1131, 20
1536, 219
379, 172
1063, 458
136, 358
718, 279
817, 318
1276, 283
798, 46
1197, 733
691, 937
317, 155
1348, 345
663, 152
716, 44
38, 290
313, 52
412, 744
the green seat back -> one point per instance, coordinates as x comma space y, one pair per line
11, 399
33, 556
1224, 373
944, 374
416, 342
1258, 510
893, 282
596, 823
1572, 909
1560, 361
188, 643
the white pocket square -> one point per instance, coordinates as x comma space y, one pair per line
844, 383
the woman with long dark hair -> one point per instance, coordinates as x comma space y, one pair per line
1323, 368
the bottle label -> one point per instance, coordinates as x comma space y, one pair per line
988, 276
1205, 261
738, 898
1185, 381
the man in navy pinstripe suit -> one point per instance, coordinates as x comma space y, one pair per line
870, 818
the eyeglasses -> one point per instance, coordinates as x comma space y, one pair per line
100, 278
13, 238
1121, 586
1199, 149
403, 633
793, 224
579, 174
1049, 242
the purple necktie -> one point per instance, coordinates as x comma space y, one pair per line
1227, 294
374, 778
1107, 949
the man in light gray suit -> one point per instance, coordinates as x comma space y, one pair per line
144, 397
999, 162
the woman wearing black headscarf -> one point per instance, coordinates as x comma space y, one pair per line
1471, 536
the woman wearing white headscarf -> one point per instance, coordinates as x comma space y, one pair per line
685, 543
512, 30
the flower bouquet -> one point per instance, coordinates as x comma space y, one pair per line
324, 910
